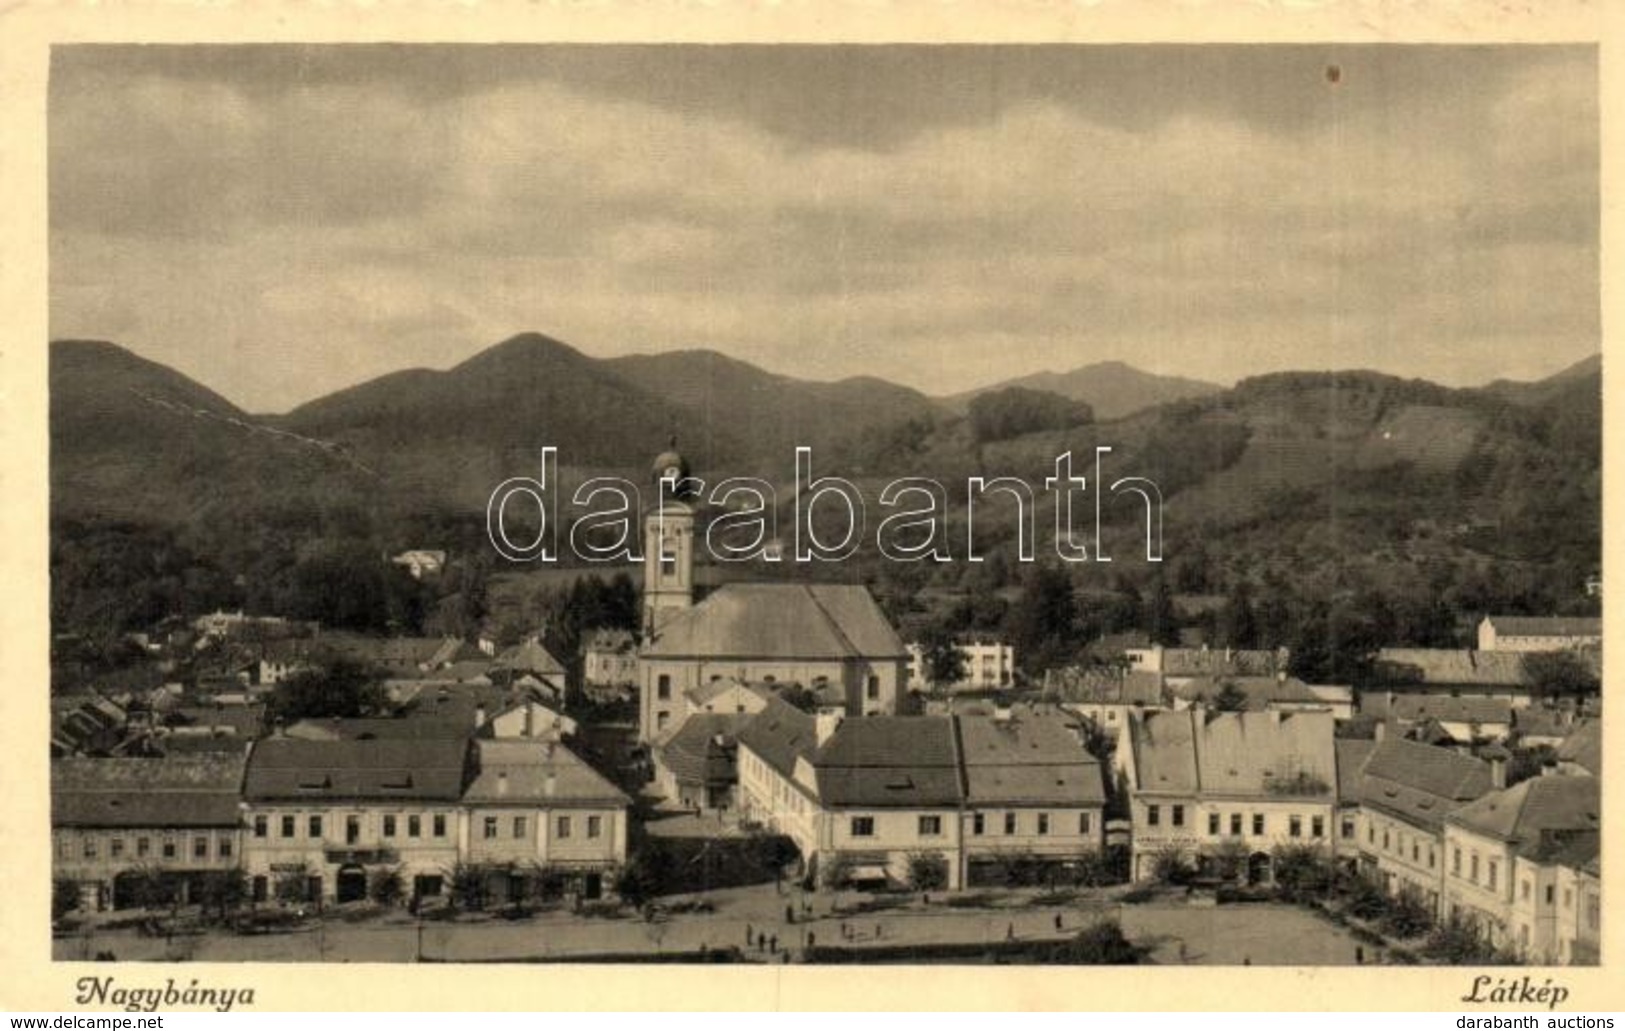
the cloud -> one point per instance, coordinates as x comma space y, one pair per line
281, 238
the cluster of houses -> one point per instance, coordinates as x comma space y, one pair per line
317, 810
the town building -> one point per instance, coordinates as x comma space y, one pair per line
1504, 854
1106, 695
696, 762
1176, 664
1034, 798
328, 815
832, 638
1581, 751
534, 812
1223, 789
1454, 672
829, 637
609, 659
1405, 789
1280, 693
1440, 718
119, 823
875, 800
1538, 633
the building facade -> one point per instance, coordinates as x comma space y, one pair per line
119, 825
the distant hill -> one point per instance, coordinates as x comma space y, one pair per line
1302, 476
1113, 389
1538, 391
131, 437
771, 415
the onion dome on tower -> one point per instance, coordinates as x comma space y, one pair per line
669, 466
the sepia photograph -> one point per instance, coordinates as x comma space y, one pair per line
809, 504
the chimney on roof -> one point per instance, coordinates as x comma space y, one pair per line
530, 719
479, 716
550, 784
1498, 772
1380, 731
502, 785
825, 724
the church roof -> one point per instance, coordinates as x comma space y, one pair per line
781, 621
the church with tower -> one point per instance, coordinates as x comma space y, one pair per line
832, 639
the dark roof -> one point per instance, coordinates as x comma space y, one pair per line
1461, 666
1035, 759
1421, 783
363, 728
527, 772
1416, 708
1235, 753
1106, 686
780, 734
803, 621
1352, 752
1183, 662
431, 769
1546, 626
168, 792
691, 753
1522, 812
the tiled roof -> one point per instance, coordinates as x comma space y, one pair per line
1236, 754
531, 657
537, 772
1032, 760
1261, 692
1165, 752
1351, 756
1416, 708
689, 753
802, 621
1195, 662
1583, 747
617, 641
700, 694
780, 734
194, 791
1451, 666
1538, 721
1421, 783
1522, 812
889, 761
1546, 626
282, 768
363, 728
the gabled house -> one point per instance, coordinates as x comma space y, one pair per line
1538, 633
1214, 788
1502, 870
826, 636
115, 821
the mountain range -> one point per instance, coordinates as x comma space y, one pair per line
1382, 459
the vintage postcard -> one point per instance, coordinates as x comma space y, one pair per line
893, 508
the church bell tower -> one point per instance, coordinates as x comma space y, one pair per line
668, 544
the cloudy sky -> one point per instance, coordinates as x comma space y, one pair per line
281, 221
